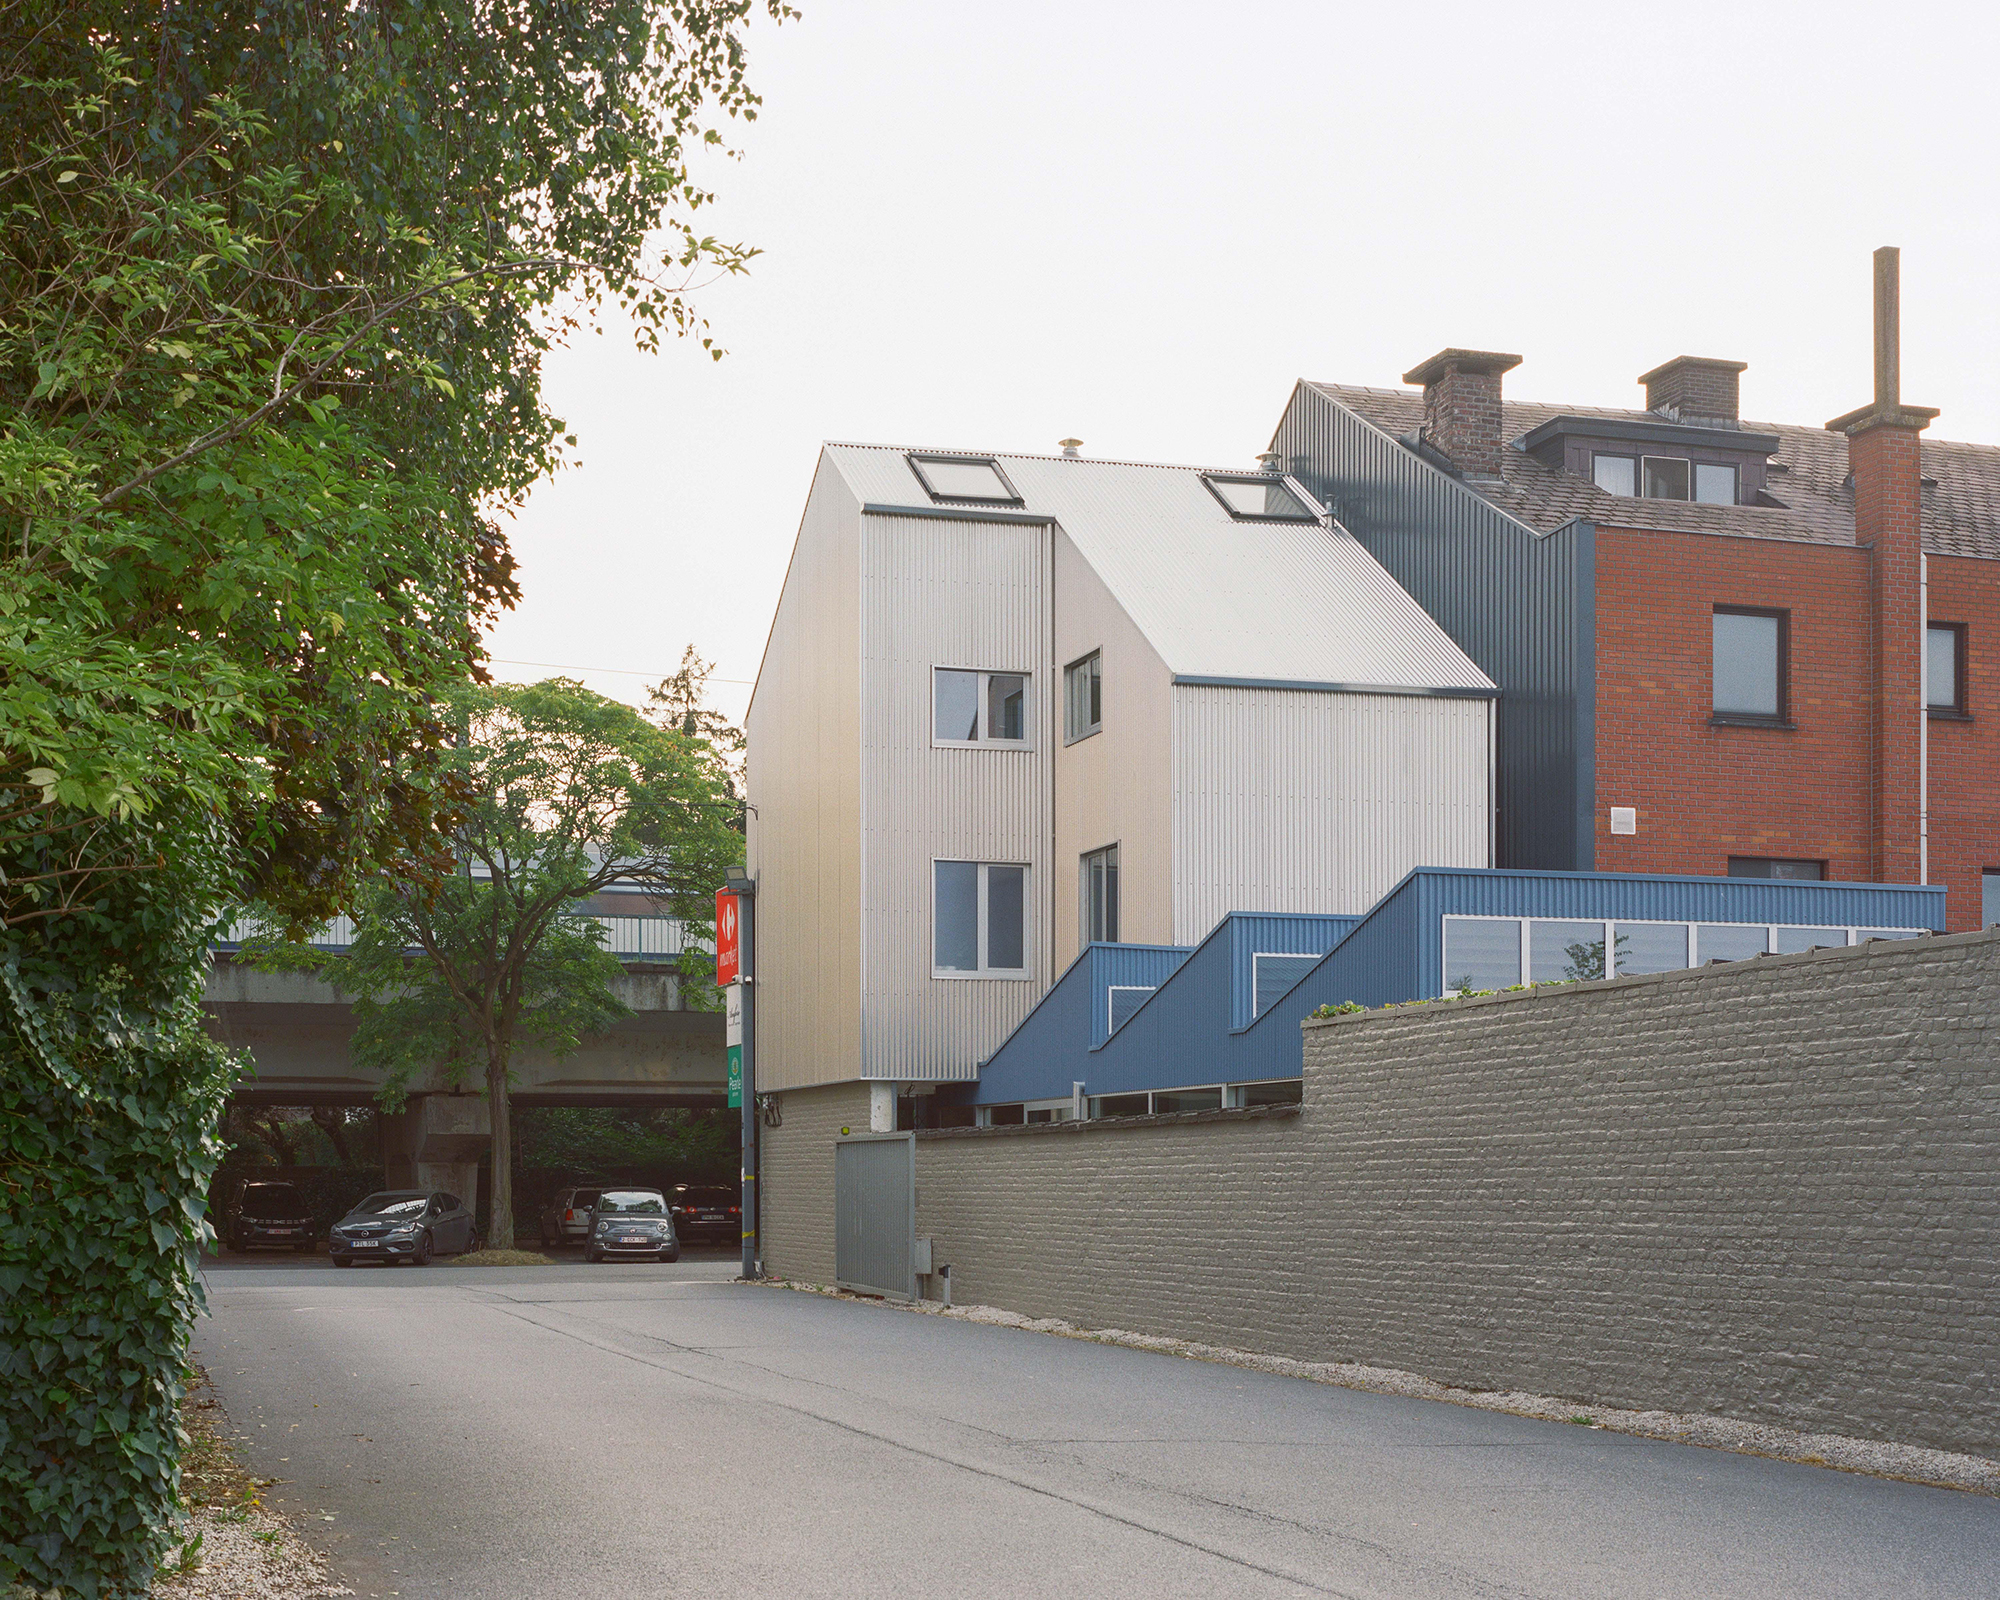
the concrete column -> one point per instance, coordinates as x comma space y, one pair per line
881, 1108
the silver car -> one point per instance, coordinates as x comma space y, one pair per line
566, 1218
631, 1222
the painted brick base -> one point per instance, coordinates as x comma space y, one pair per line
1768, 1190
797, 1178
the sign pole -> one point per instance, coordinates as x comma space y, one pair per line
735, 970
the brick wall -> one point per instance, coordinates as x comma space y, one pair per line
796, 1177
1769, 1190
1706, 793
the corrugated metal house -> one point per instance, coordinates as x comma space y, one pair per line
1014, 704
1222, 1026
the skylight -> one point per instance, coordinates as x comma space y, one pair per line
1252, 497
966, 480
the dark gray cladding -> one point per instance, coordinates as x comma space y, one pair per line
1521, 604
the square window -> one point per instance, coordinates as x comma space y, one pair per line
1121, 1000
966, 480
1273, 975
971, 707
1791, 867
1256, 498
1099, 887
1664, 478
1649, 947
1559, 951
1615, 474
1083, 696
1749, 663
1944, 666
1729, 941
1482, 953
979, 921
1790, 941
1714, 485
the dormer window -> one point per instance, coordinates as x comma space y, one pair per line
1665, 478
964, 480
1255, 497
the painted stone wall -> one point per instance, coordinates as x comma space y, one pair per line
1768, 1190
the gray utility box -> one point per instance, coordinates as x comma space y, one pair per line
875, 1214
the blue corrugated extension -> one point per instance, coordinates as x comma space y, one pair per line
1201, 1025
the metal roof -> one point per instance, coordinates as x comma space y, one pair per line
1297, 605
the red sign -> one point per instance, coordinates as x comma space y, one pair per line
726, 959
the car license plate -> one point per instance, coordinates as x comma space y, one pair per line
363, 1244
632, 1238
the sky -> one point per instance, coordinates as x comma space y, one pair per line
997, 226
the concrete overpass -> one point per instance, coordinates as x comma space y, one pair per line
298, 1030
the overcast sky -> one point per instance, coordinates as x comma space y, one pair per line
999, 225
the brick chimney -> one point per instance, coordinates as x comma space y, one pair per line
1462, 407
1694, 388
1883, 457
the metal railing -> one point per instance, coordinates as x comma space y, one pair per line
631, 938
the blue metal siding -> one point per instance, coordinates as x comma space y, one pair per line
1295, 934
1520, 603
1186, 1032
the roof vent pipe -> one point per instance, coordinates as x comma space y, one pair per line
1271, 461
1070, 447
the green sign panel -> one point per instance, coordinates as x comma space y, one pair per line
735, 1054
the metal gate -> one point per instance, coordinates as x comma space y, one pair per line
875, 1213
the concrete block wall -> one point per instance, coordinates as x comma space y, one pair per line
1768, 1190
796, 1178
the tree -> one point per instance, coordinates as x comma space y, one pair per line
681, 702
276, 281
568, 793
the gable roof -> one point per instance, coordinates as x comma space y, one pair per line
1219, 600
1961, 512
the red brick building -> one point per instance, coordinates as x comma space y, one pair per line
1711, 635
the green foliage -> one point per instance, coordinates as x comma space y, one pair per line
1346, 1008
110, 1094
594, 1142
276, 281
568, 793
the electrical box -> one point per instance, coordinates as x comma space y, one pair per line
921, 1256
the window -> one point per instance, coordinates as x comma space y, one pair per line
1749, 659
964, 480
1615, 474
1257, 498
1187, 1100
1664, 478
1729, 941
1989, 897
1944, 667
1083, 697
1564, 951
1790, 941
1099, 896
1481, 953
1650, 946
978, 707
1272, 976
1122, 999
979, 919
1776, 867
1714, 485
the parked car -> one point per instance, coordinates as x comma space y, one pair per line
274, 1214
705, 1213
402, 1225
566, 1218
631, 1222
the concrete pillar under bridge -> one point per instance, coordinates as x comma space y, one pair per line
297, 1031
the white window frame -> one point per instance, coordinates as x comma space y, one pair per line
1111, 1026
1023, 973
1284, 955
1071, 733
986, 739
1083, 875
1851, 935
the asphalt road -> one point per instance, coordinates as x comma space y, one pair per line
630, 1431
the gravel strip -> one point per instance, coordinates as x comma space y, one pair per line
1908, 1463
503, 1258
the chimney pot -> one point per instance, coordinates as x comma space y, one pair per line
1694, 388
1462, 406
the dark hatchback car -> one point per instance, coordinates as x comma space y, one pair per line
705, 1213
269, 1214
402, 1225
631, 1222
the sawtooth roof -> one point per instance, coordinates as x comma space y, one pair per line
1961, 510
